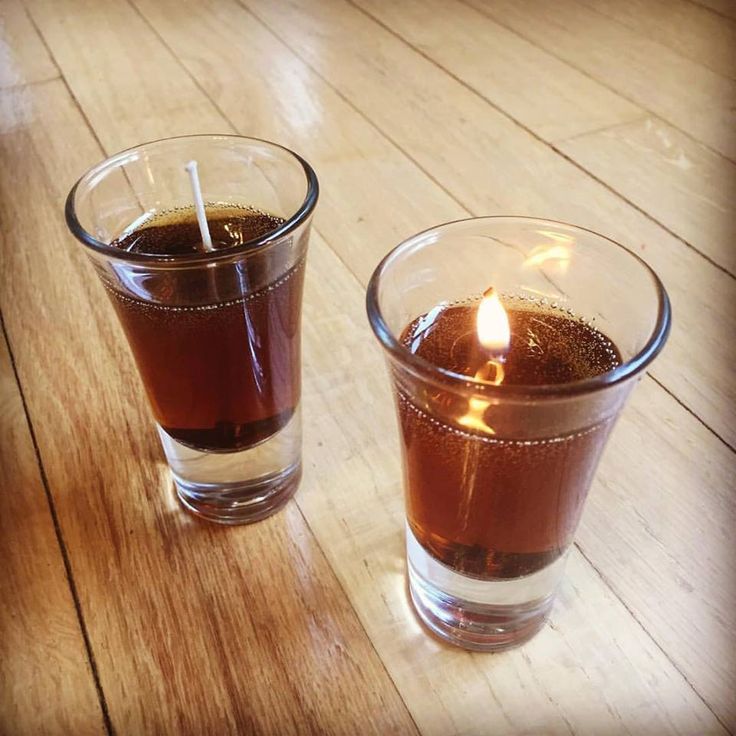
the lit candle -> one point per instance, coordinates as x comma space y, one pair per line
482, 498
505, 402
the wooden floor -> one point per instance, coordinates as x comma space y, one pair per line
121, 614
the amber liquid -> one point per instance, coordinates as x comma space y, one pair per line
221, 374
494, 506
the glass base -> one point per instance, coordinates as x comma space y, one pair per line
480, 615
239, 503
237, 487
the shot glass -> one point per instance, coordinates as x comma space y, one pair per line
215, 332
492, 505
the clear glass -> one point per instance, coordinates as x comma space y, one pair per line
491, 514
215, 334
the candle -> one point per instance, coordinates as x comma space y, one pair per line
219, 360
505, 399
499, 506
206, 278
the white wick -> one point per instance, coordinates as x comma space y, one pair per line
204, 228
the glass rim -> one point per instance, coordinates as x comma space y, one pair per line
302, 213
432, 372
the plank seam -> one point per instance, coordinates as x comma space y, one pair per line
642, 211
691, 412
60, 540
23, 85
605, 128
712, 10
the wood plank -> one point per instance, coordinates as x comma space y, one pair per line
135, 111
682, 184
23, 57
550, 97
431, 36
359, 525
666, 517
492, 167
687, 28
682, 92
46, 682
196, 629
275, 106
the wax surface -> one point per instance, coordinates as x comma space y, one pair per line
546, 347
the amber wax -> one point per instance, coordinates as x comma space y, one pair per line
488, 503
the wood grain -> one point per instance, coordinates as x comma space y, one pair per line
23, 57
659, 527
489, 164
553, 99
331, 372
196, 629
683, 26
258, 48
46, 683
684, 185
633, 64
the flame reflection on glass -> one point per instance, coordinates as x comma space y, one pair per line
559, 254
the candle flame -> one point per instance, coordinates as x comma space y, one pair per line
494, 334
492, 324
